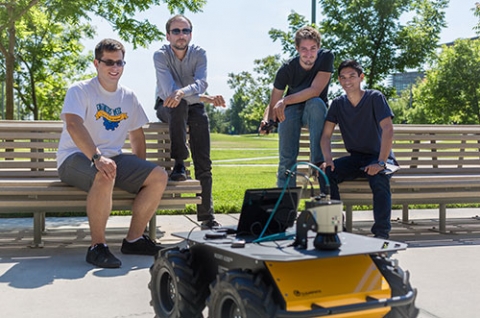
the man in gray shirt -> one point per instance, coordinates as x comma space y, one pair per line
181, 71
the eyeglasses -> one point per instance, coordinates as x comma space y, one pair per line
119, 63
184, 31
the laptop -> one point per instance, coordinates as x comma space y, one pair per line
258, 205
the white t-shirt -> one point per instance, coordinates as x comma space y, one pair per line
108, 117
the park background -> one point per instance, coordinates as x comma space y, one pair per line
239, 41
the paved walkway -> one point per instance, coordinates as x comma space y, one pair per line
55, 281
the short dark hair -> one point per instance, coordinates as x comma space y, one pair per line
350, 63
307, 33
177, 17
109, 45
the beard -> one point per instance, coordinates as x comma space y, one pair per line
180, 45
309, 62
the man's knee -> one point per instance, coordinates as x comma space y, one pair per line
314, 115
158, 177
102, 182
316, 103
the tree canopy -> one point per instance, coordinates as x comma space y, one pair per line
72, 15
371, 32
450, 92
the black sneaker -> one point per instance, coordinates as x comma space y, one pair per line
178, 173
209, 224
144, 246
101, 256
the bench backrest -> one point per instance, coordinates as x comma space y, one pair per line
429, 149
28, 148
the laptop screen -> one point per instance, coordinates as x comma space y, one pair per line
258, 204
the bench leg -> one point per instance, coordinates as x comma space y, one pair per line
442, 217
152, 227
38, 227
405, 213
349, 217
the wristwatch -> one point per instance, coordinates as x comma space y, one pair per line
96, 157
382, 164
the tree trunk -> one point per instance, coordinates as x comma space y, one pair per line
9, 67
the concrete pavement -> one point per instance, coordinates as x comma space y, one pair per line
55, 281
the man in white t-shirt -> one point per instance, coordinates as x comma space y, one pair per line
98, 116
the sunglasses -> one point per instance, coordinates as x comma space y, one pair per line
184, 31
119, 63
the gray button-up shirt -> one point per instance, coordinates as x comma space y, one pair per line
189, 74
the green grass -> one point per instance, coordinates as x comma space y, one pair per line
240, 163
249, 162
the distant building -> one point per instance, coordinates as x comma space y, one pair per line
452, 43
403, 81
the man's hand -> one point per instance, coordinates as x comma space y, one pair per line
215, 100
261, 130
279, 111
107, 167
327, 163
373, 169
174, 99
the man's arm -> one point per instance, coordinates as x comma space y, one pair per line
316, 88
82, 139
275, 97
215, 100
165, 81
318, 85
387, 138
137, 141
385, 147
325, 144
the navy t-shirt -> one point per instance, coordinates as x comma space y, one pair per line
360, 125
293, 75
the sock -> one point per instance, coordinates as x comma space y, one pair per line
95, 245
133, 241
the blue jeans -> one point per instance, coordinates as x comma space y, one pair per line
196, 118
349, 168
311, 114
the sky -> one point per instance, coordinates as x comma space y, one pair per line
234, 34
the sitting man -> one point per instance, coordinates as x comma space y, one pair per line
365, 121
181, 71
98, 115
305, 78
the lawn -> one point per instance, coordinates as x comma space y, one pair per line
240, 163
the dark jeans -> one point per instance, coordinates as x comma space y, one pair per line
349, 168
197, 120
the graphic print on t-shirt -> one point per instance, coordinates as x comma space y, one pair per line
111, 117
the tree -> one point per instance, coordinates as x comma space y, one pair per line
120, 13
48, 58
252, 94
370, 32
476, 12
450, 93
12, 12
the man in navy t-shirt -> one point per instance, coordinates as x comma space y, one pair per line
365, 122
305, 79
